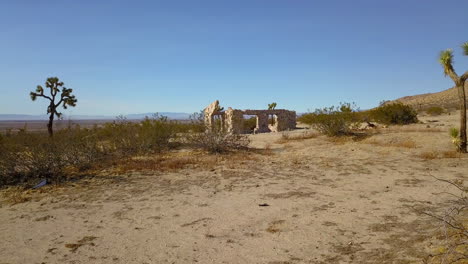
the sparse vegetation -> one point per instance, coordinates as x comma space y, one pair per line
334, 121
31, 156
435, 110
27, 157
286, 137
148, 136
394, 114
218, 141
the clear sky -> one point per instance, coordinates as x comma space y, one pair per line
124, 57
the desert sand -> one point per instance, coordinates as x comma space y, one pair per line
315, 200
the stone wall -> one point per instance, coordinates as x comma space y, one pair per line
233, 119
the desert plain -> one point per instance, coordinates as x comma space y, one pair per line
297, 197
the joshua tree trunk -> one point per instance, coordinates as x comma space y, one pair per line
462, 97
51, 123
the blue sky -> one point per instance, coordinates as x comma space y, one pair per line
124, 57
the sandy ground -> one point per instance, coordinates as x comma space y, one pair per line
329, 201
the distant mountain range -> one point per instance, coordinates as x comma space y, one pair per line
18, 117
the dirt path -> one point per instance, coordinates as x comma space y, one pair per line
322, 202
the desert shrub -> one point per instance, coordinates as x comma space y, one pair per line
334, 121
27, 157
394, 113
148, 136
435, 110
218, 141
156, 134
195, 124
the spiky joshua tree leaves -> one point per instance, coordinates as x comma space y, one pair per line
58, 93
272, 106
446, 60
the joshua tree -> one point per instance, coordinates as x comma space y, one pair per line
446, 60
64, 97
272, 106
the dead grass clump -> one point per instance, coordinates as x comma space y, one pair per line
16, 195
339, 140
162, 163
238, 159
286, 137
428, 155
296, 159
451, 154
266, 150
176, 161
274, 227
407, 143
415, 129
87, 240
20, 194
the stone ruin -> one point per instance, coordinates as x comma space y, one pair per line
232, 120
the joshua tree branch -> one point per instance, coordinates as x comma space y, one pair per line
461, 188
41, 95
453, 75
464, 77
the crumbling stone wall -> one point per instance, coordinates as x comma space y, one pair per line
233, 119
210, 112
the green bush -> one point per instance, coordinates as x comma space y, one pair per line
435, 110
334, 121
394, 113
